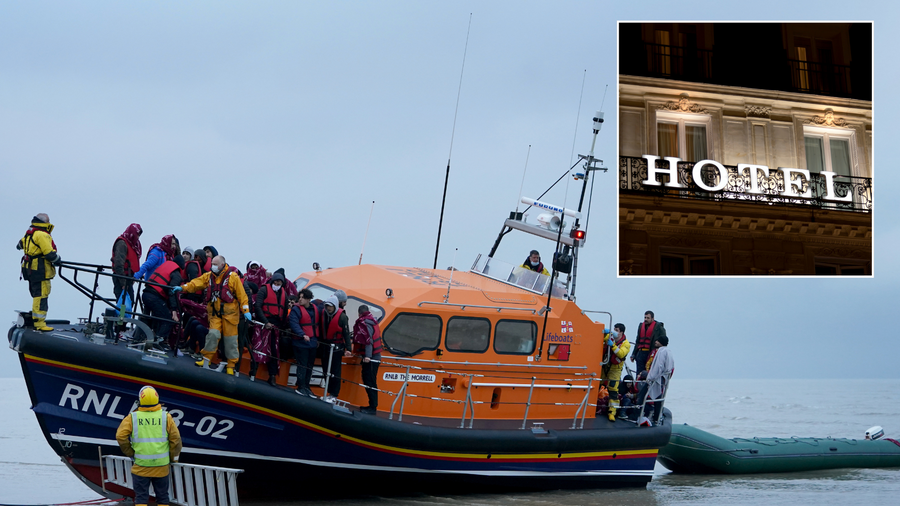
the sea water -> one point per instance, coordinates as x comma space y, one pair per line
31, 473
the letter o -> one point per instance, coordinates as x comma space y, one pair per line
723, 174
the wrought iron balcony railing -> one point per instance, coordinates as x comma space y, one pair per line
820, 78
633, 173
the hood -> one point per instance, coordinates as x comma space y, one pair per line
38, 223
179, 260
333, 301
278, 275
132, 235
215, 252
189, 251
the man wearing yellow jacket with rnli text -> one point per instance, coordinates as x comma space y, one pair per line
225, 301
150, 437
612, 371
38, 269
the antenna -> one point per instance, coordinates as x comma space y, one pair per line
452, 268
365, 237
522, 186
437, 246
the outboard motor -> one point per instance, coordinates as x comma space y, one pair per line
874, 433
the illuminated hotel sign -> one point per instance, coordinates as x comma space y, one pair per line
793, 178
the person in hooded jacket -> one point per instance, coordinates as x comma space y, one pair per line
126, 258
271, 311
39, 266
336, 333
162, 303
367, 343
292, 290
211, 252
159, 253
256, 273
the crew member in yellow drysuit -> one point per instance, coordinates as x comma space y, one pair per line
612, 371
38, 266
225, 301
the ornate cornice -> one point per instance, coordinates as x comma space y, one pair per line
757, 111
827, 120
683, 105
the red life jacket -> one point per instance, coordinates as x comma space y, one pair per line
645, 333
307, 323
273, 305
163, 275
613, 358
360, 340
132, 261
334, 328
220, 291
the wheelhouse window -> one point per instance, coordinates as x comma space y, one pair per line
411, 333
466, 334
322, 292
683, 136
829, 149
515, 337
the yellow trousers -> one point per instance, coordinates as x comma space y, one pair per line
219, 327
40, 290
612, 373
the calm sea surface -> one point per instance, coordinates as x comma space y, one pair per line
30, 473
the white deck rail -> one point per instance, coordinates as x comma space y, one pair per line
189, 484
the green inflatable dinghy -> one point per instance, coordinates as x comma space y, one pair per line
691, 450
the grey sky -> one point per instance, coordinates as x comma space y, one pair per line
267, 129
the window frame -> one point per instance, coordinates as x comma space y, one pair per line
687, 256
395, 351
683, 120
349, 297
826, 134
447, 333
535, 343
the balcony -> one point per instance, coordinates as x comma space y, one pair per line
633, 172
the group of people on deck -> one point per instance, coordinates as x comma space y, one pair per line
193, 301
654, 368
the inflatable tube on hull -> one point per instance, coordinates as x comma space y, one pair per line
693, 451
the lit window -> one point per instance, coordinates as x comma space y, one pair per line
682, 136
829, 149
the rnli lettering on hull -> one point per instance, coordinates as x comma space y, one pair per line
92, 401
413, 378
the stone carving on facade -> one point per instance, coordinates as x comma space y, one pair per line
827, 120
688, 242
757, 111
683, 105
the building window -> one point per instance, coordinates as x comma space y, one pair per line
829, 149
410, 333
682, 136
836, 267
468, 334
696, 264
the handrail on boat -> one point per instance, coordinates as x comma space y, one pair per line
464, 306
493, 364
191, 484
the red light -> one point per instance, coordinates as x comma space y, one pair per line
577, 234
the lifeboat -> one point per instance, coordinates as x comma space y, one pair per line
488, 382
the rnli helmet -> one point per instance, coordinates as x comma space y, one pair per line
148, 397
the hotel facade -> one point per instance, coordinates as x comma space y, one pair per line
745, 149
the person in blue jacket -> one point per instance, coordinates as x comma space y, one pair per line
159, 253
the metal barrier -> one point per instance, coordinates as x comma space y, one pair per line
189, 484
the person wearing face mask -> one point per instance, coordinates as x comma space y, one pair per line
225, 301
534, 263
336, 331
618, 347
271, 310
